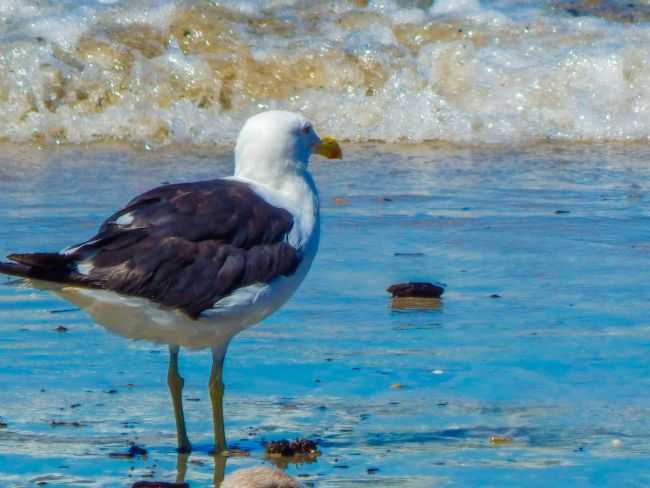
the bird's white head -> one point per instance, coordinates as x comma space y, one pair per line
275, 144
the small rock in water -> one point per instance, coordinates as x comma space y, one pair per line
63, 423
562, 212
420, 290
61, 328
408, 254
286, 448
130, 454
495, 295
3, 425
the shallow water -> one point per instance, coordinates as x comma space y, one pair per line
557, 364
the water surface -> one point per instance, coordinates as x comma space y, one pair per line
557, 363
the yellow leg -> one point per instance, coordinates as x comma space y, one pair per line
216, 388
176, 383
181, 466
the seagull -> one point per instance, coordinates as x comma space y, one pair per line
193, 264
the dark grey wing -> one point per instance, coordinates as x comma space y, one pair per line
184, 246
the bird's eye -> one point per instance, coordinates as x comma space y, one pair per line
306, 129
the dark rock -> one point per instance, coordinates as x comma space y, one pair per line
372, 470
63, 423
562, 212
286, 448
130, 454
409, 254
61, 328
281, 447
420, 290
495, 295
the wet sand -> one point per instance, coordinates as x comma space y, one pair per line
531, 370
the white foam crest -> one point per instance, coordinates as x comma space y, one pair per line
462, 7
466, 72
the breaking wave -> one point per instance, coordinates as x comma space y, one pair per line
460, 71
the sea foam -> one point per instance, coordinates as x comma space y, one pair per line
464, 72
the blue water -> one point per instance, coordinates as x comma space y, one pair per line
556, 365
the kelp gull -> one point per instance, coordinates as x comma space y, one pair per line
192, 264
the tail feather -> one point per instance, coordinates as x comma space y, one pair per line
16, 269
49, 260
45, 266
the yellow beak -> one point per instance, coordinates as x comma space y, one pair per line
328, 148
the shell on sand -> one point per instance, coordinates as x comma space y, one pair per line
262, 477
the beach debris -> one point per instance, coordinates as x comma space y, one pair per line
259, 477
158, 484
408, 254
562, 212
340, 201
234, 452
61, 328
64, 423
286, 448
134, 450
396, 386
64, 310
437, 371
616, 443
499, 440
416, 289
